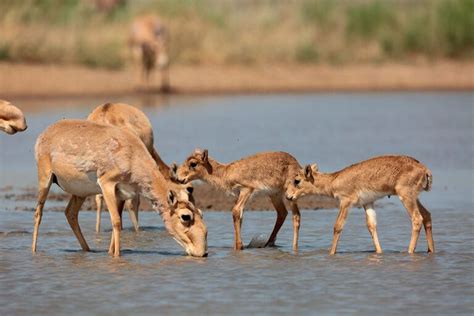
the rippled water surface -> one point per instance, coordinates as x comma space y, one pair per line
154, 277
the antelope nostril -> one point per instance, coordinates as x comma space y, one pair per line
186, 218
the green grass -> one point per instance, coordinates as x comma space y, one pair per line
456, 24
368, 20
241, 32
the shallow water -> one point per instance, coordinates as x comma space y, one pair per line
153, 276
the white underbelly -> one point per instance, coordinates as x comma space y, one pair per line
367, 197
84, 186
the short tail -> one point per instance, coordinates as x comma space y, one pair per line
428, 181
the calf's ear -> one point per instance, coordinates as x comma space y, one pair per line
308, 173
205, 156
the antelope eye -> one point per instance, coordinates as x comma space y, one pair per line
193, 164
297, 181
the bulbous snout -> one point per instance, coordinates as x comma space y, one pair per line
21, 126
181, 176
191, 232
197, 253
14, 128
197, 244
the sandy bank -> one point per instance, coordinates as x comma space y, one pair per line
31, 81
207, 199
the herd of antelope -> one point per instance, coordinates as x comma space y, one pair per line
111, 156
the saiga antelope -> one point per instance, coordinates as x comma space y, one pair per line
268, 172
85, 158
365, 182
12, 119
135, 121
148, 43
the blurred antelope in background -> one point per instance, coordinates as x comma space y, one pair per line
12, 119
133, 120
85, 158
148, 41
365, 182
267, 172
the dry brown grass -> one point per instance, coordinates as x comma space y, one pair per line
241, 31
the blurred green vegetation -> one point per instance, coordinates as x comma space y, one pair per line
241, 31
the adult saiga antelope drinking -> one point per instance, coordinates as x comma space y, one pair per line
85, 158
148, 42
132, 119
12, 119
365, 182
267, 172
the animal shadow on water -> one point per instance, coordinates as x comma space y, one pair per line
142, 228
259, 241
137, 252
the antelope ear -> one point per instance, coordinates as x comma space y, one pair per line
314, 167
200, 212
173, 170
174, 167
308, 172
172, 198
204, 156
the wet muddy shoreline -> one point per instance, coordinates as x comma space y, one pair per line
207, 199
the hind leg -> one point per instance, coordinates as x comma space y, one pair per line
371, 220
72, 214
410, 203
133, 206
45, 179
428, 226
280, 208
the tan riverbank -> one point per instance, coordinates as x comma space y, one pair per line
207, 199
49, 81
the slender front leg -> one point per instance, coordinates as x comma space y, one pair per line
411, 206
72, 213
371, 219
108, 190
133, 206
428, 226
120, 206
340, 221
98, 203
280, 208
237, 214
296, 224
